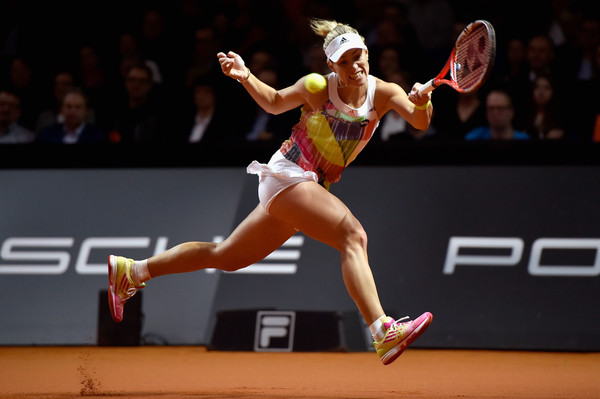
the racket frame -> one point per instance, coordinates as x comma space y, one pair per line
451, 63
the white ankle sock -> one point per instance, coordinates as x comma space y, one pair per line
377, 330
139, 272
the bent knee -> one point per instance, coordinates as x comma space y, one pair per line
232, 266
354, 235
227, 261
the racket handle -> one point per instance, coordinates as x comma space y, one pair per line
427, 87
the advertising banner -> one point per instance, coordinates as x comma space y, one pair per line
504, 257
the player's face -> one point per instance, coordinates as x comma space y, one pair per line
353, 67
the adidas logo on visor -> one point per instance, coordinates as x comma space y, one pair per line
341, 44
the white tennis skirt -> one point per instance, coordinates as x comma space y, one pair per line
276, 176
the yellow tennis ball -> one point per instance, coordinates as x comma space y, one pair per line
315, 82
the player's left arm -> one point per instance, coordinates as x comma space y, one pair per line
392, 96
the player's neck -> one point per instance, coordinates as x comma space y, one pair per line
353, 96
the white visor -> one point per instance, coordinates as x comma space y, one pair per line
343, 43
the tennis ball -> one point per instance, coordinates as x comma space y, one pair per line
315, 82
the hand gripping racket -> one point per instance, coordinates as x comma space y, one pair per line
471, 59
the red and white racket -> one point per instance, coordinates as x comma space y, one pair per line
471, 59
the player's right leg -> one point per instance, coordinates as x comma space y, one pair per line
322, 216
255, 238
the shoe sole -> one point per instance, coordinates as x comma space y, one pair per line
397, 350
112, 281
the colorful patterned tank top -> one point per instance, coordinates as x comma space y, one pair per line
328, 139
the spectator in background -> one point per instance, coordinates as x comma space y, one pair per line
154, 43
266, 127
461, 113
208, 123
261, 60
94, 81
544, 119
500, 114
313, 60
596, 64
394, 31
595, 88
129, 54
63, 81
73, 128
586, 84
590, 106
564, 23
256, 124
513, 71
433, 21
22, 84
92, 75
589, 39
577, 55
388, 61
10, 111
540, 56
202, 57
138, 119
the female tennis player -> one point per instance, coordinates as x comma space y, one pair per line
335, 125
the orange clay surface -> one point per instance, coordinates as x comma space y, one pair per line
193, 372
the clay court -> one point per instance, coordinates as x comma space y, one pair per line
193, 372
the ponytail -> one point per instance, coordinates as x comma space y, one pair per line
330, 29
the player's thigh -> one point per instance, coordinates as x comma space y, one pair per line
253, 239
317, 213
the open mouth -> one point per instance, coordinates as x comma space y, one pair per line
356, 76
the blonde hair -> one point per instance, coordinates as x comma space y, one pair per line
329, 29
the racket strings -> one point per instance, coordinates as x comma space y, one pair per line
474, 52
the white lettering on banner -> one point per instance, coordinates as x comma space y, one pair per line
57, 262
44, 256
537, 269
516, 245
272, 325
453, 257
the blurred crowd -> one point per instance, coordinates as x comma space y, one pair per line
147, 72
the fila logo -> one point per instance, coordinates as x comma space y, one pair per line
274, 331
280, 261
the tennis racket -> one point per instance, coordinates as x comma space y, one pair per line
471, 59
